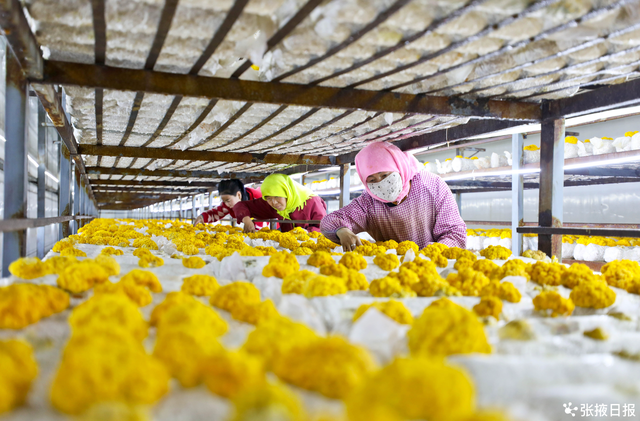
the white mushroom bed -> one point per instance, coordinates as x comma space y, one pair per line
529, 378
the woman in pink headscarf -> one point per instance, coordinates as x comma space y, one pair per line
400, 203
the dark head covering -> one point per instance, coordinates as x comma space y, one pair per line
232, 187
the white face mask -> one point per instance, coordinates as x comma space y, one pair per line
388, 189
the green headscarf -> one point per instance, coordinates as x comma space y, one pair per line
283, 186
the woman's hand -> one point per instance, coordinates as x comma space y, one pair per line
249, 226
348, 239
199, 220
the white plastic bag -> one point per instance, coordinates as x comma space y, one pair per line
498, 161
232, 268
380, 334
585, 149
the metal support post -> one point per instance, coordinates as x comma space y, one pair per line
551, 184
193, 207
180, 214
345, 185
210, 200
80, 200
459, 152
42, 156
64, 190
15, 163
517, 193
76, 197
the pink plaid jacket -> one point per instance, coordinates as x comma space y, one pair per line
428, 215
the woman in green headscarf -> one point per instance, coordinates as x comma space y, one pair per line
282, 198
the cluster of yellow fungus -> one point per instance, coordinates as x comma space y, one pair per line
412, 389
435, 251
547, 273
353, 261
295, 283
485, 266
593, 294
370, 249
186, 337
495, 253
136, 293
322, 286
144, 278
489, 306
28, 268
468, 281
393, 309
513, 267
200, 285
354, 280
19, 369
404, 246
25, 304
193, 262
273, 339
72, 252
390, 287
172, 299
280, 265
330, 366
147, 259
82, 276
387, 262
445, 328
234, 295
146, 243
110, 251
104, 310
624, 274
320, 258
502, 290
104, 361
576, 274
552, 304
229, 373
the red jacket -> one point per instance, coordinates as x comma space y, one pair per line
314, 208
216, 214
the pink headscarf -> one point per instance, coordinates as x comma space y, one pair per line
382, 156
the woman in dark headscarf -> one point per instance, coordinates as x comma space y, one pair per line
231, 192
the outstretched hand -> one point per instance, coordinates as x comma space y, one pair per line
348, 239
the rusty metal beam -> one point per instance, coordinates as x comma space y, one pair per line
160, 153
152, 183
155, 189
124, 196
20, 38
560, 231
199, 174
614, 96
444, 136
106, 77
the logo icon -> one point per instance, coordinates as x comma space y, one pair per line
569, 410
